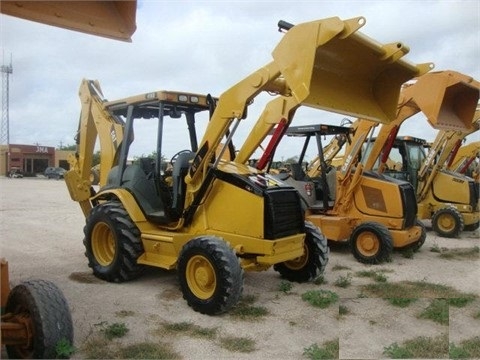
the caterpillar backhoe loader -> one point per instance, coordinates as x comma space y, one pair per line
35, 313
448, 99
375, 214
221, 217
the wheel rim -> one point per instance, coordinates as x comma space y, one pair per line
25, 351
300, 262
103, 244
368, 244
446, 222
201, 277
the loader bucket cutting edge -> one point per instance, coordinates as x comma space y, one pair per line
339, 69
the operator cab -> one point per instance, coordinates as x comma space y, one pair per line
157, 185
318, 191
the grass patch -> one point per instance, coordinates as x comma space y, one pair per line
245, 309
461, 301
285, 286
148, 350
124, 313
343, 281
188, 328
115, 330
414, 290
468, 349
436, 311
63, 349
238, 344
329, 350
401, 302
343, 310
419, 348
320, 298
459, 253
378, 276
340, 267
408, 253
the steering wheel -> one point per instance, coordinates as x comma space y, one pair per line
174, 157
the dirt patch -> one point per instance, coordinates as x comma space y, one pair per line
42, 232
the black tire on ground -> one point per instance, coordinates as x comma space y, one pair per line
471, 227
312, 263
371, 243
447, 222
112, 243
47, 308
419, 243
210, 275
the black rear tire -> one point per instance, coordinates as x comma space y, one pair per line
46, 307
210, 275
371, 243
112, 243
419, 243
448, 222
312, 264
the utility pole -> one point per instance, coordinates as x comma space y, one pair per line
6, 71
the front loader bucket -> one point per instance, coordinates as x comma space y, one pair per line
448, 99
329, 65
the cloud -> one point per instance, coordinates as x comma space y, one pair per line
207, 46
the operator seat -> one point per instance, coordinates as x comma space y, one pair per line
180, 169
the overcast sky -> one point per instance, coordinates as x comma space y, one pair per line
206, 47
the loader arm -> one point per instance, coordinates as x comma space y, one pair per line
325, 64
95, 123
465, 156
448, 100
439, 153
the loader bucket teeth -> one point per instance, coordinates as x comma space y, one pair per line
340, 69
448, 99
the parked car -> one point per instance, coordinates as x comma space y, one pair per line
15, 173
54, 172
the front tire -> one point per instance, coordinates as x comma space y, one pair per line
423, 236
210, 275
448, 222
112, 243
312, 263
371, 243
43, 305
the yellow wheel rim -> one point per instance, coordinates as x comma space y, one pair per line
368, 244
446, 222
300, 262
103, 244
201, 277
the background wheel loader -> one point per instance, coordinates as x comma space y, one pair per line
448, 99
219, 217
35, 314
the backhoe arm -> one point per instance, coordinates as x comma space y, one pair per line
95, 122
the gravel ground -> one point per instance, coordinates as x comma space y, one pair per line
41, 237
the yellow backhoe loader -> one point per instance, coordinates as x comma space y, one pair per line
221, 217
374, 214
448, 99
35, 314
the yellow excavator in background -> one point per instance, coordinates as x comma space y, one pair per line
448, 99
221, 217
35, 313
